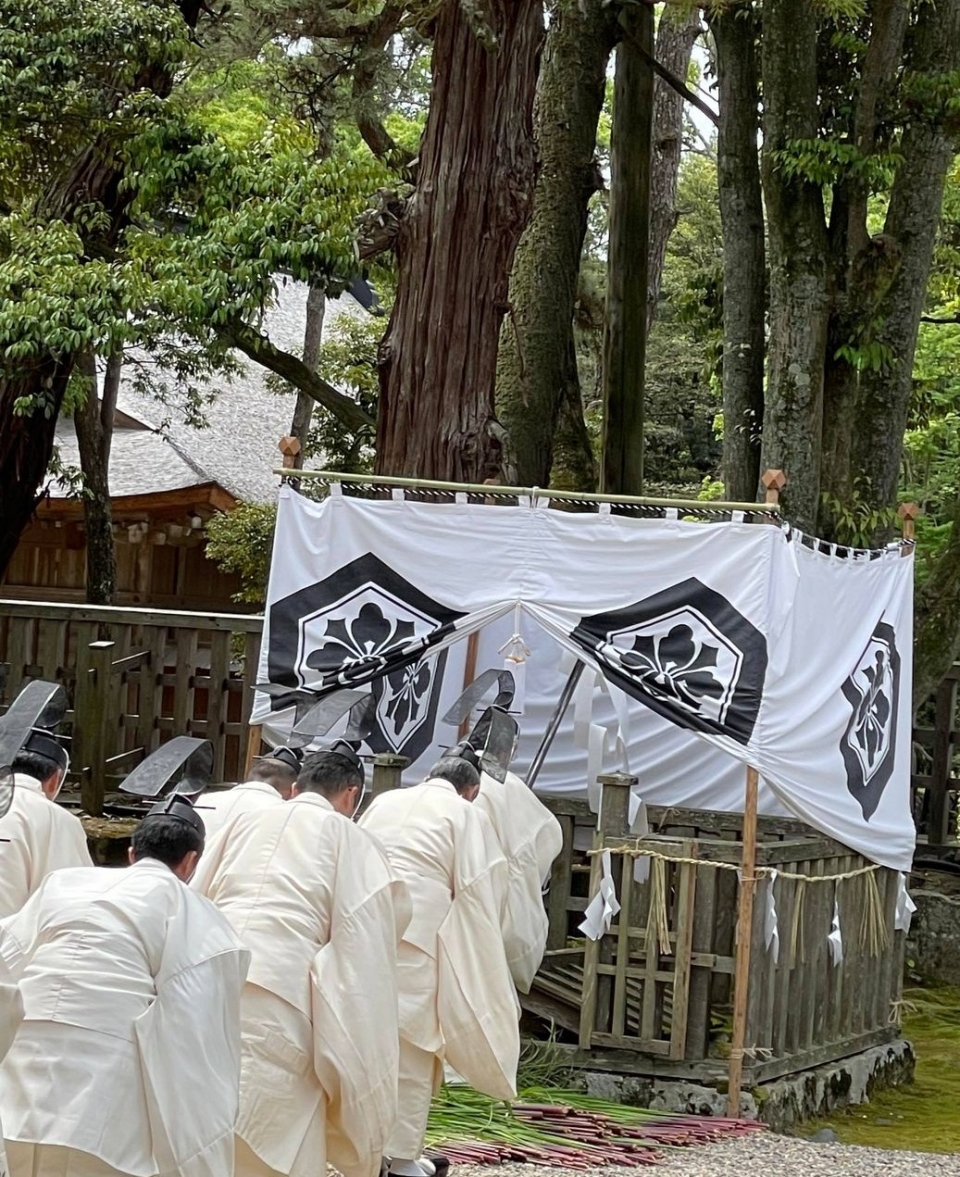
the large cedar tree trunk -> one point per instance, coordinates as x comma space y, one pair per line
744, 279
799, 306
538, 386
94, 424
456, 245
92, 177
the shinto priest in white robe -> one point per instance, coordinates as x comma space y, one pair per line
457, 1000
313, 898
128, 1058
44, 837
219, 809
11, 1014
530, 838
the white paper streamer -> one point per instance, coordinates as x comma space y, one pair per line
905, 906
835, 939
639, 828
601, 909
595, 747
771, 924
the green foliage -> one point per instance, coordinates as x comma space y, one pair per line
241, 542
349, 361
854, 522
829, 161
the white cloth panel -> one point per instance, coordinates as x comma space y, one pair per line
721, 645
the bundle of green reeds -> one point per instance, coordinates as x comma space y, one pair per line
563, 1129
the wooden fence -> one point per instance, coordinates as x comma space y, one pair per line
135, 678
936, 783
654, 996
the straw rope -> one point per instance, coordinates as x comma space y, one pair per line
752, 1052
873, 933
759, 872
658, 921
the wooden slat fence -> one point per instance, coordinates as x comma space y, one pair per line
631, 1004
135, 678
936, 768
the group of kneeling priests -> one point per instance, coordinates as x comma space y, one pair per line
273, 984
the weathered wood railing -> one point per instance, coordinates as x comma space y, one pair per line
135, 678
630, 1005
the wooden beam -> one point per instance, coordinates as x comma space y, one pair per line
748, 885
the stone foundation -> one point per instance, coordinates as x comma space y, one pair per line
784, 1103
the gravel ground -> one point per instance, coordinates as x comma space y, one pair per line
762, 1155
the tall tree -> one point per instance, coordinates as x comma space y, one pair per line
677, 31
93, 420
80, 188
624, 350
735, 30
799, 276
456, 245
538, 386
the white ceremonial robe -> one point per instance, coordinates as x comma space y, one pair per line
219, 809
313, 898
128, 1058
530, 838
11, 1014
43, 837
457, 1000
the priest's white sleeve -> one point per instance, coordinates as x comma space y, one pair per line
354, 1009
477, 1001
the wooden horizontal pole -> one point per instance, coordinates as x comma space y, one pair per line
108, 614
534, 492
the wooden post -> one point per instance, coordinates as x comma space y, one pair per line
748, 886
387, 772
289, 447
612, 822
254, 741
908, 512
92, 717
469, 674
773, 481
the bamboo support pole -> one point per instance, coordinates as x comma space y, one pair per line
532, 492
741, 987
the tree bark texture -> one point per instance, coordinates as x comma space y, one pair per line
456, 246
936, 642
744, 276
537, 378
94, 424
863, 268
312, 340
92, 177
625, 337
929, 144
677, 31
799, 294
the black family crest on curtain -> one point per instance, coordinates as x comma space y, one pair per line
869, 743
365, 623
688, 654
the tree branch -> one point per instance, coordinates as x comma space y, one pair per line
674, 82
258, 348
945, 320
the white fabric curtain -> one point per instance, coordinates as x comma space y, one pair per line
707, 647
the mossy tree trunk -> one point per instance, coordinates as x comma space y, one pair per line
537, 378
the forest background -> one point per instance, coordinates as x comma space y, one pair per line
652, 248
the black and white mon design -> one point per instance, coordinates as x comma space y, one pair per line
686, 653
869, 743
366, 624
